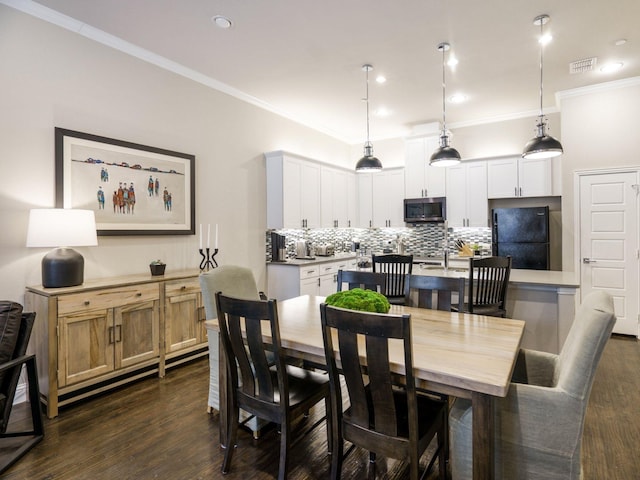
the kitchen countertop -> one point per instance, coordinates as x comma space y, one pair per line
295, 262
517, 276
550, 278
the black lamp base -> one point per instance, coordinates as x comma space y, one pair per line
62, 267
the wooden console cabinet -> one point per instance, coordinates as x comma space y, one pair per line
107, 332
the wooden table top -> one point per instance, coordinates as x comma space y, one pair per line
453, 353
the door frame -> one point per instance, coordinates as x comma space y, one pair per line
577, 227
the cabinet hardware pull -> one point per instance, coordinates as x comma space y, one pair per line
86, 303
183, 287
119, 333
520, 191
138, 294
111, 339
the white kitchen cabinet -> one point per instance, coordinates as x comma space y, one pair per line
420, 179
337, 191
381, 197
519, 177
365, 200
293, 191
467, 203
288, 281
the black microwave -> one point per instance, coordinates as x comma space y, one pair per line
428, 209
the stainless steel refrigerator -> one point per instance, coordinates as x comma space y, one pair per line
522, 233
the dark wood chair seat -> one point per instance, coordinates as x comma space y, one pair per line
382, 418
259, 380
395, 267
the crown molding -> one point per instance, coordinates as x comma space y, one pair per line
597, 88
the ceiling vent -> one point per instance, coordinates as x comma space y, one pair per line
584, 65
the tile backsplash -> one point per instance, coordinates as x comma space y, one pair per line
422, 240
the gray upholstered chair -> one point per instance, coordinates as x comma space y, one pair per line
230, 280
539, 423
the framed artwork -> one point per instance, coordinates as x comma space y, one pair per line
133, 189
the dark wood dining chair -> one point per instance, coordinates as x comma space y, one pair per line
362, 279
395, 267
15, 331
488, 281
261, 383
420, 290
384, 419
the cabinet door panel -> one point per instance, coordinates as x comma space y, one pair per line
85, 346
183, 326
136, 333
502, 178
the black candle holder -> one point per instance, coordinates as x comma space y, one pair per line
208, 259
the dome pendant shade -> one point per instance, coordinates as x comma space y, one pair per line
542, 145
368, 163
444, 155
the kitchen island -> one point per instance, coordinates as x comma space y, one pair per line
545, 299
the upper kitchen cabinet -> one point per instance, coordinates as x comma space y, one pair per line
293, 191
421, 180
381, 197
512, 177
338, 194
467, 203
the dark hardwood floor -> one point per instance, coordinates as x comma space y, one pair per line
159, 429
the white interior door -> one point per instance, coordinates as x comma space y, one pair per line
609, 243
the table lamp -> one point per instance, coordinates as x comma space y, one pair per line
63, 228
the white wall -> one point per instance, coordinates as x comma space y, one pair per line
51, 77
599, 130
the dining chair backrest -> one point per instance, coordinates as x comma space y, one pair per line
395, 267
444, 289
488, 281
241, 323
371, 399
362, 279
380, 418
260, 381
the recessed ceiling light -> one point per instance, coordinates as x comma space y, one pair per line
382, 112
453, 61
622, 41
221, 21
381, 79
457, 98
611, 67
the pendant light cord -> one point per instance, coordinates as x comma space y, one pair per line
367, 68
541, 66
444, 109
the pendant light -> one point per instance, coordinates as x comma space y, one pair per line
445, 155
368, 163
542, 145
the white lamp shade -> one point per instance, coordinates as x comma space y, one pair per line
61, 227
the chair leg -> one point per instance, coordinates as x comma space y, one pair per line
336, 457
329, 415
443, 445
232, 433
284, 450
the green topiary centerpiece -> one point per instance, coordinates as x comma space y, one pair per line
359, 299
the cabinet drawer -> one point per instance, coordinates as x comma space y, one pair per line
180, 287
328, 268
108, 298
349, 264
309, 272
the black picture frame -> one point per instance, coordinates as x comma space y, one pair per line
131, 203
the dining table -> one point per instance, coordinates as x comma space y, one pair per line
456, 354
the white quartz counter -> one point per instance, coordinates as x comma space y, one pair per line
295, 262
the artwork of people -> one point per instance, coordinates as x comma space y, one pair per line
104, 175
100, 199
